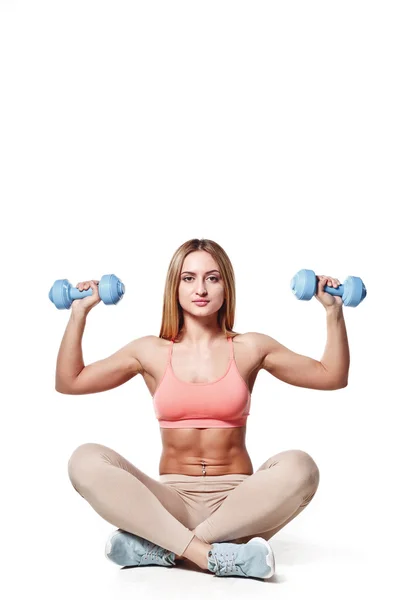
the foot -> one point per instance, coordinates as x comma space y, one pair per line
126, 549
254, 559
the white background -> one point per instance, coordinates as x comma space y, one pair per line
128, 128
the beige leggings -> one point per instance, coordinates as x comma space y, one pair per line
214, 508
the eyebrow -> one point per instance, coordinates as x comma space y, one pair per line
191, 272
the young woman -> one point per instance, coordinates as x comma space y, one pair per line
208, 506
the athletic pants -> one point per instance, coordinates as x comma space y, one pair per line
172, 510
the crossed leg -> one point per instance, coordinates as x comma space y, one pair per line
128, 498
264, 502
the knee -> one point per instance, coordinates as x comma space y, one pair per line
305, 469
81, 464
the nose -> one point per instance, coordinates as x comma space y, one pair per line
201, 290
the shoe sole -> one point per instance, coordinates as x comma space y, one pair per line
270, 559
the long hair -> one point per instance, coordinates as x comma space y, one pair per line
172, 314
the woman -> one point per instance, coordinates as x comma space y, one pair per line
208, 505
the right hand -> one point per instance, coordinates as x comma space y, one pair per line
86, 304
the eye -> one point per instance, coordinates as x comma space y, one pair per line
189, 277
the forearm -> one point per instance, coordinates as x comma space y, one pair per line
336, 357
70, 358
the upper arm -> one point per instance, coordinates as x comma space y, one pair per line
290, 367
110, 372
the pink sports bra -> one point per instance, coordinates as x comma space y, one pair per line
221, 403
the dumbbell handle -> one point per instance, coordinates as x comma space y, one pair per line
334, 291
76, 294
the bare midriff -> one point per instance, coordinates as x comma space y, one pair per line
212, 451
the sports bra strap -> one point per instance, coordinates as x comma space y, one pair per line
230, 340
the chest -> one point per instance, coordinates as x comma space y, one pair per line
200, 367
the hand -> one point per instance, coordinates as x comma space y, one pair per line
86, 304
326, 299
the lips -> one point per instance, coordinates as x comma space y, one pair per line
201, 301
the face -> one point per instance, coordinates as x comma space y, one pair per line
200, 284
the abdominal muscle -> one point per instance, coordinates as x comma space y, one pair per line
212, 451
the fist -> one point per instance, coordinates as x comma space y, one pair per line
87, 303
325, 298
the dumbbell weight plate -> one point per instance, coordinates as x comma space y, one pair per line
354, 291
304, 284
111, 289
59, 293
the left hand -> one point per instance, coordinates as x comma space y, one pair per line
326, 299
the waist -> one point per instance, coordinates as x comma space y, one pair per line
182, 478
239, 464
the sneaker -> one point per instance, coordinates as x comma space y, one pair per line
129, 550
254, 559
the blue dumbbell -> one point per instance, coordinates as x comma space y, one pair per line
62, 293
304, 287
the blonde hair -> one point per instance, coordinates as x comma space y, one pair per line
172, 314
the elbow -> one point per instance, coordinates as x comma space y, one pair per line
335, 385
65, 385
59, 387
63, 389
341, 384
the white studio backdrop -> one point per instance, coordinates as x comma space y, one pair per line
129, 128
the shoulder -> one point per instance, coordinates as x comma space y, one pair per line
149, 343
259, 342
146, 341
256, 346
153, 346
141, 347
243, 338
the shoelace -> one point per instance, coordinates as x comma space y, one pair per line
227, 564
153, 551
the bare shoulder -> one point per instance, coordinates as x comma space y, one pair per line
141, 348
259, 342
151, 353
250, 345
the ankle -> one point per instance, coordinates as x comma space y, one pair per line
197, 552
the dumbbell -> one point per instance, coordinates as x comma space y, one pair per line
304, 286
62, 293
